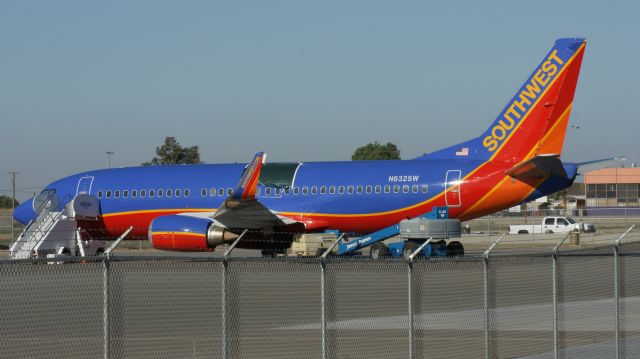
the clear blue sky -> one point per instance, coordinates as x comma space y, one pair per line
299, 80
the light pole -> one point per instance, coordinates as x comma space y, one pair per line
13, 201
109, 153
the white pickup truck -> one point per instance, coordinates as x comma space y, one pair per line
552, 225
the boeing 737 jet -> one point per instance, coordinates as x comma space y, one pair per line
199, 207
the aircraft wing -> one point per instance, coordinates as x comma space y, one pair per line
538, 167
242, 210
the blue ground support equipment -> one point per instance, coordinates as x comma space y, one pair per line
413, 232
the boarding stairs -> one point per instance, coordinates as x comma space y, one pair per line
53, 228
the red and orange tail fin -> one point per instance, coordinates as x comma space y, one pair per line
248, 184
534, 122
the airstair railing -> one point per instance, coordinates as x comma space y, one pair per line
39, 218
47, 217
54, 216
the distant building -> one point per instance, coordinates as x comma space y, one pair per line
612, 187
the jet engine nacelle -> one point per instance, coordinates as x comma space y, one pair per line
186, 233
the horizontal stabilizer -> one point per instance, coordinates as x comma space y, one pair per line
538, 167
599, 164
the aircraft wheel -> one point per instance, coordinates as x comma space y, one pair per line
455, 249
378, 250
409, 248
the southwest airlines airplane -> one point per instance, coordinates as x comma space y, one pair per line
198, 207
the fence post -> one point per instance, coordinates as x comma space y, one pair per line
616, 296
554, 257
486, 306
323, 310
555, 305
410, 304
410, 292
323, 293
616, 283
485, 257
105, 308
225, 349
225, 294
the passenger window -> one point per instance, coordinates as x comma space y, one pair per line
425, 188
187, 192
125, 193
258, 191
134, 193
178, 192
143, 193
212, 192
160, 192
341, 189
99, 194
360, 189
203, 192
378, 188
108, 194
169, 192
350, 189
314, 190
287, 191
323, 190
414, 188
562, 222
221, 192
549, 221
152, 193
277, 191
116, 194
267, 191
405, 188
332, 190
396, 189
296, 191
305, 190
229, 191
387, 189
369, 189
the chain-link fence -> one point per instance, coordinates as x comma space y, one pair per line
538, 304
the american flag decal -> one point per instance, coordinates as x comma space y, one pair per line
463, 152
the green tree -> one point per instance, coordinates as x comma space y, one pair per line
172, 153
5, 202
376, 151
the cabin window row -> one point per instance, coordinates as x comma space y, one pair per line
212, 192
305, 190
134, 193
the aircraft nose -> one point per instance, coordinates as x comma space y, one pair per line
24, 213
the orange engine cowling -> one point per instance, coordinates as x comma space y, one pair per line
186, 233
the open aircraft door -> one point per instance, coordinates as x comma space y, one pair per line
452, 188
84, 185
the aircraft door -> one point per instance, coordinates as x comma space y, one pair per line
452, 188
84, 185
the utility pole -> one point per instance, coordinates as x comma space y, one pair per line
109, 153
13, 200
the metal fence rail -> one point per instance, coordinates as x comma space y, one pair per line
539, 305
